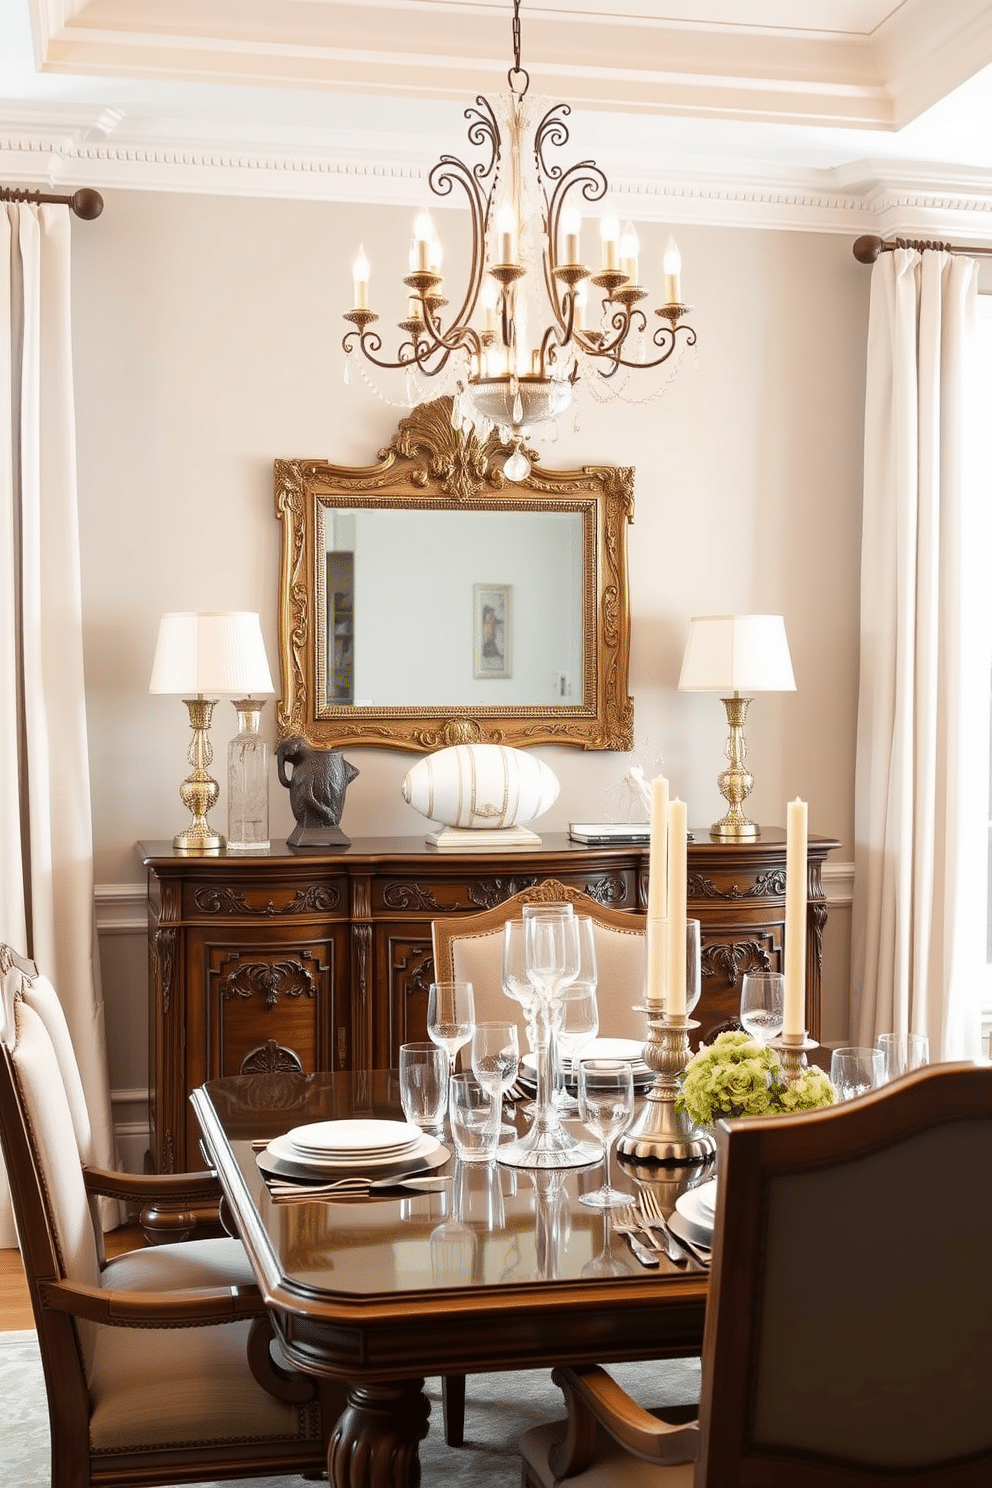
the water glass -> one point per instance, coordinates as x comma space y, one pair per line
855, 1071
902, 1052
763, 1004
424, 1084
470, 1111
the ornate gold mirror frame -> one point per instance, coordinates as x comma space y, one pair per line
429, 466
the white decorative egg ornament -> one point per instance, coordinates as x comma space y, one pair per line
476, 787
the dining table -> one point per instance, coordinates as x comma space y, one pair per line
495, 1268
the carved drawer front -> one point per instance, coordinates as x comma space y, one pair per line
266, 900
409, 896
269, 1007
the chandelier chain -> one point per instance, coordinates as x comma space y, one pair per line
516, 71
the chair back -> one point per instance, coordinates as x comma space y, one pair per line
51, 1207
470, 948
18, 974
849, 1324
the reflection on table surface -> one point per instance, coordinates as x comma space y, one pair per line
489, 1226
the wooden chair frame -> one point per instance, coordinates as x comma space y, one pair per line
937, 1107
58, 1301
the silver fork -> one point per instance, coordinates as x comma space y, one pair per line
652, 1218
626, 1222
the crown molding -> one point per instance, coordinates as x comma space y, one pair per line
63, 148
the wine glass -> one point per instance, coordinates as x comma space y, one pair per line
579, 1023
578, 1015
495, 1057
516, 982
450, 1016
606, 1105
551, 941
762, 1004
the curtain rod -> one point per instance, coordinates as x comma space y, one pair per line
86, 203
867, 249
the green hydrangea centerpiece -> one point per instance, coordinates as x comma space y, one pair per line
736, 1076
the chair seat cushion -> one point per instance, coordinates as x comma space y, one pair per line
169, 1268
611, 1465
177, 1386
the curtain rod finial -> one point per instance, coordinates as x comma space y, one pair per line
86, 204
867, 249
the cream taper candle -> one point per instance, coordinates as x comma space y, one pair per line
794, 1018
677, 888
657, 892
658, 850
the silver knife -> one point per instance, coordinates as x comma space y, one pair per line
644, 1255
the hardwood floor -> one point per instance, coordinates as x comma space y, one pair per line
15, 1305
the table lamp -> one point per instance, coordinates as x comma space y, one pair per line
196, 654
736, 655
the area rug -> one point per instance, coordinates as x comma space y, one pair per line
499, 1407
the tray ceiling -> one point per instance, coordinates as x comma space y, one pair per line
864, 113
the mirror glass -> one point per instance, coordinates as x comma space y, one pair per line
474, 608
425, 600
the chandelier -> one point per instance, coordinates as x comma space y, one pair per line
527, 324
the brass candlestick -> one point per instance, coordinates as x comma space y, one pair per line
661, 1134
792, 1049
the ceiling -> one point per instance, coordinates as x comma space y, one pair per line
867, 115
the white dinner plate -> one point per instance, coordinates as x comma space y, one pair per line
353, 1137
680, 1226
428, 1157
628, 1049
286, 1151
697, 1206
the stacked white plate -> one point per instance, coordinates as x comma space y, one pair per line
599, 1048
697, 1210
363, 1145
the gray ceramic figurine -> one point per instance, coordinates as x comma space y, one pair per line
317, 786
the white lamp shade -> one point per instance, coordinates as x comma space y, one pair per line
737, 653
219, 651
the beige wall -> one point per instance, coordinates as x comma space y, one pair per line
207, 342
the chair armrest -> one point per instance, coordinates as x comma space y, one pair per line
168, 1187
592, 1396
197, 1307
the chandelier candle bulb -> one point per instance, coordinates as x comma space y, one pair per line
794, 1018
506, 227
609, 232
672, 269
571, 223
630, 247
360, 272
423, 236
678, 866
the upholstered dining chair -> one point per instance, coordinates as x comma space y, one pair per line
470, 948
159, 1364
849, 1323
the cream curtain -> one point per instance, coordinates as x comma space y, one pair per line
46, 854
923, 714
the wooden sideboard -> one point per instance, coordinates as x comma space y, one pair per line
322, 960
